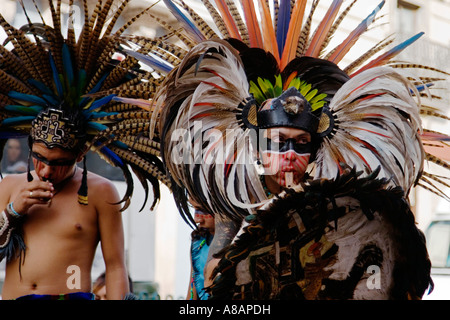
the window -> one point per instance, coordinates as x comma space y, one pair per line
407, 17
438, 243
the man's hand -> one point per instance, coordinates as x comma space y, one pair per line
34, 192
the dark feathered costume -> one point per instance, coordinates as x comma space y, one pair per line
348, 238
322, 240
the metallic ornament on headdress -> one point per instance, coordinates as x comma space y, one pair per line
291, 109
53, 129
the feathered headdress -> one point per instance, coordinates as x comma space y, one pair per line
61, 90
212, 95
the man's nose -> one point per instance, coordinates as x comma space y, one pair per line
46, 171
290, 155
199, 218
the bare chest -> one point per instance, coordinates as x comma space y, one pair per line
62, 218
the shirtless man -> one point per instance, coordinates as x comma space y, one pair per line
60, 234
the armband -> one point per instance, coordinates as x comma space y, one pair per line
4, 224
12, 212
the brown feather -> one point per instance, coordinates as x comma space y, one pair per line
216, 18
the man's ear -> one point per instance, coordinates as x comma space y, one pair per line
82, 153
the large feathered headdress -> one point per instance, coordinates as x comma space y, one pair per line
210, 101
61, 90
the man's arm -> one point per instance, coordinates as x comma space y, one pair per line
225, 231
112, 241
9, 220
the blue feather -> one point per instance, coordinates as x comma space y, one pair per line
67, 63
27, 97
97, 126
57, 82
284, 17
154, 63
422, 87
397, 49
185, 22
120, 144
97, 87
17, 120
95, 115
51, 99
108, 153
99, 84
100, 102
40, 86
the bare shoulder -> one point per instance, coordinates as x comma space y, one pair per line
12, 182
104, 196
9, 186
100, 185
99, 181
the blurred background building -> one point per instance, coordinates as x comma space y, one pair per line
157, 243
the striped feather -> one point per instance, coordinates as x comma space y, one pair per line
201, 24
238, 19
336, 25
323, 28
216, 18
228, 19
254, 33
304, 35
348, 43
190, 28
382, 59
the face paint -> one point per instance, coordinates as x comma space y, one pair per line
204, 220
51, 173
53, 163
278, 164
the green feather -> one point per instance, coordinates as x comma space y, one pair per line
257, 93
30, 110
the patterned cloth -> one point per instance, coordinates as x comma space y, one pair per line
199, 253
68, 296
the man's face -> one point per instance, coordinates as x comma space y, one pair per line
287, 155
54, 165
204, 220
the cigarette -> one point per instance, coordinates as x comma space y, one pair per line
289, 176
